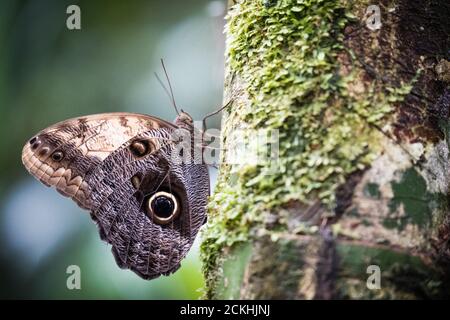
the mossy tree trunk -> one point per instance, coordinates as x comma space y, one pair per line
362, 174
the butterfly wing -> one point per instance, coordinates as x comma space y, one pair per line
112, 164
63, 154
123, 185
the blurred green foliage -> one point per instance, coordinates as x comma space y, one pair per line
49, 73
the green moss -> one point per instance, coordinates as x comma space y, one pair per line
353, 212
288, 55
403, 276
410, 192
366, 222
229, 285
444, 125
372, 190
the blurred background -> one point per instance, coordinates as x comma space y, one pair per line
49, 73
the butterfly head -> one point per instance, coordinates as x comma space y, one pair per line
184, 120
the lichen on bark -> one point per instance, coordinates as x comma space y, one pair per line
300, 70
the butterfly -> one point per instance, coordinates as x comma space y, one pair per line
125, 169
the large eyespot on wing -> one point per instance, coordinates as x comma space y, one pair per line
147, 207
62, 155
162, 207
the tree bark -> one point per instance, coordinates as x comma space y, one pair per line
361, 177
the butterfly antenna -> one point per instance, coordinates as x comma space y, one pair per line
163, 86
216, 112
172, 96
165, 89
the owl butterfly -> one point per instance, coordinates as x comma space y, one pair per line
125, 169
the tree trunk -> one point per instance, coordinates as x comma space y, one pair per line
354, 182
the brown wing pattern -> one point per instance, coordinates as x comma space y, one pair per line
138, 243
64, 153
113, 164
